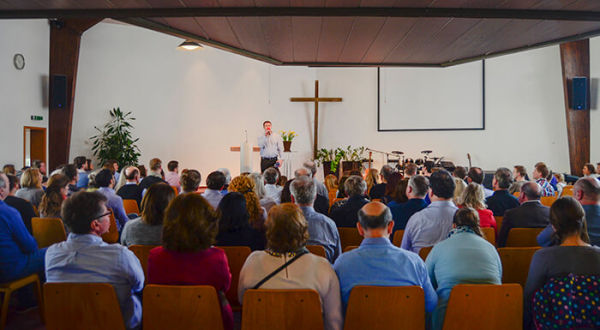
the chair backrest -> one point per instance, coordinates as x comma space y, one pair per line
523, 237
515, 263
48, 231
489, 234
349, 236
71, 306
567, 191
517, 194
318, 250
424, 252
397, 240
350, 248
112, 236
281, 310
498, 223
382, 308
175, 190
142, 252
485, 306
548, 200
131, 206
332, 197
181, 307
236, 257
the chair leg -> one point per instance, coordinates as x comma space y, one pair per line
5, 302
38, 292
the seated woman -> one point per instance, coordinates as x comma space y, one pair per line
567, 272
147, 229
464, 257
186, 256
474, 197
245, 186
234, 228
391, 188
399, 195
259, 190
287, 233
31, 186
56, 193
371, 178
331, 182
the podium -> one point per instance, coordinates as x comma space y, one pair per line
245, 161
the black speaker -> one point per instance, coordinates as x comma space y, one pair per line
58, 94
579, 93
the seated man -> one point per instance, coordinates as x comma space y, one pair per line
321, 203
85, 258
475, 174
417, 189
172, 175
531, 213
273, 190
23, 206
433, 223
501, 200
321, 189
344, 212
154, 175
105, 181
131, 189
321, 229
82, 172
215, 182
377, 262
540, 173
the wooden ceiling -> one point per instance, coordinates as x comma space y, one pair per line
345, 32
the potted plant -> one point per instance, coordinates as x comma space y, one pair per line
330, 159
353, 159
115, 141
287, 139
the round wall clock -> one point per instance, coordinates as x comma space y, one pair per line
19, 61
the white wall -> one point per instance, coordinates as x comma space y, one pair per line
22, 92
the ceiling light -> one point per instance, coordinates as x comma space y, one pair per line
190, 45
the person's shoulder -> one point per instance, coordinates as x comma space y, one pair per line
486, 212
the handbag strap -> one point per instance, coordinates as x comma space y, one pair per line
299, 254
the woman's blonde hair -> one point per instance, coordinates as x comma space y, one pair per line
245, 186
287, 230
52, 199
331, 182
473, 197
31, 178
459, 188
371, 178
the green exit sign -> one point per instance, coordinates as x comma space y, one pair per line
37, 118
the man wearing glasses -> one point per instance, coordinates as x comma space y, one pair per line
85, 258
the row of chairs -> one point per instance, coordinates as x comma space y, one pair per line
71, 305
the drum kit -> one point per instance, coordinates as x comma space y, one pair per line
398, 160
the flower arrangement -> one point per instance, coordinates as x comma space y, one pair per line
287, 136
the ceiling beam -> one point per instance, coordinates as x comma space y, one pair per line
557, 15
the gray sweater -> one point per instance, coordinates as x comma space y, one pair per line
33, 195
137, 232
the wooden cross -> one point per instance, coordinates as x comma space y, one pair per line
316, 100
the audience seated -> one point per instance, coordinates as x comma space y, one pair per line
54, 196
398, 196
172, 175
371, 178
345, 212
24, 207
186, 256
227, 175
473, 197
475, 174
378, 190
70, 171
393, 191
341, 193
41, 167
9, 169
520, 176
433, 223
562, 285
105, 181
501, 200
530, 214
321, 229
589, 170
465, 257
377, 262
234, 227
190, 181
540, 172
31, 186
113, 166
215, 182
460, 172
331, 182
282, 180
131, 189
147, 228
286, 195
85, 258
287, 233
153, 175
410, 170
321, 203
417, 188
321, 189
259, 189
460, 186
272, 189
122, 179
245, 186
82, 172
560, 182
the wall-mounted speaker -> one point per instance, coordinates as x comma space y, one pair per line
58, 93
579, 93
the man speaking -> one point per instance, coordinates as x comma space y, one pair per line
271, 147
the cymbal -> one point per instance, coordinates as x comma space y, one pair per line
398, 152
426, 151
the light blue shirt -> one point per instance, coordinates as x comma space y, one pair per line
87, 259
115, 202
270, 146
463, 258
428, 226
378, 262
273, 191
322, 231
213, 197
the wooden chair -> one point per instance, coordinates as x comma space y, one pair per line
485, 306
489, 234
382, 308
35, 210
181, 307
112, 236
498, 223
567, 191
515, 263
317, 250
350, 248
131, 206
523, 237
73, 306
376, 200
397, 240
9, 287
548, 200
349, 236
175, 190
332, 197
424, 252
142, 252
236, 256
282, 310
48, 231
517, 194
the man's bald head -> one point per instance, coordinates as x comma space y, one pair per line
131, 172
374, 215
587, 189
531, 190
302, 172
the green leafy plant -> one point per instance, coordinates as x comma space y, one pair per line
115, 141
331, 155
287, 136
353, 154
